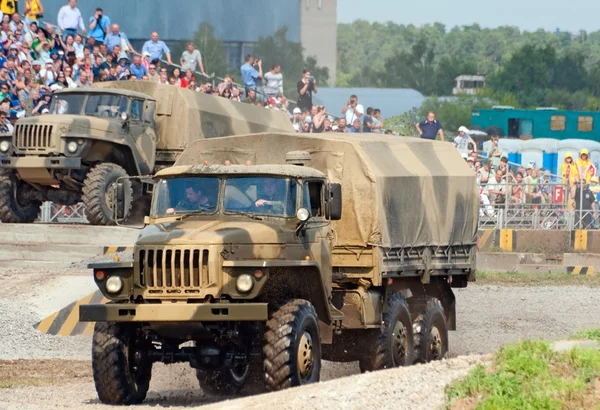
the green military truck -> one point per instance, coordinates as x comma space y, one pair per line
340, 247
95, 136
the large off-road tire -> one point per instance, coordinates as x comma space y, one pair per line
430, 332
292, 346
120, 365
391, 346
14, 207
97, 193
223, 381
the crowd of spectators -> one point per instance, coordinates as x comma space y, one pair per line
502, 184
38, 58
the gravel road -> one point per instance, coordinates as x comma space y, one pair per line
487, 316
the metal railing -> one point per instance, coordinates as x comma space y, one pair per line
546, 206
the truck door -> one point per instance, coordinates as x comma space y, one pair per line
316, 234
141, 126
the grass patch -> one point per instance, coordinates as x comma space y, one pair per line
590, 334
529, 375
536, 279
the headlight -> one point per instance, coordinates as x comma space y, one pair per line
114, 284
244, 283
72, 147
4, 146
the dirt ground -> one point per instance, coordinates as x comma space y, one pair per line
488, 316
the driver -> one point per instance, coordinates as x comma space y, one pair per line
195, 200
272, 198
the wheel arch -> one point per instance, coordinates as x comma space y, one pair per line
302, 282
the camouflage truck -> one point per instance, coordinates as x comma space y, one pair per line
95, 136
342, 247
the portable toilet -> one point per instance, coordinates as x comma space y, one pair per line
574, 146
541, 152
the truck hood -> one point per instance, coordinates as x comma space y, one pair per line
188, 232
70, 125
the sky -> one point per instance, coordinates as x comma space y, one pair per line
530, 15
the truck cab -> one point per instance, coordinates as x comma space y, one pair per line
226, 249
51, 157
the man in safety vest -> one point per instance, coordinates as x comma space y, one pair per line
9, 7
584, 166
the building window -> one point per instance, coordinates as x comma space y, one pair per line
585, 123
557, 123
233, 53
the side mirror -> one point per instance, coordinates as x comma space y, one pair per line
124, 116
334, 203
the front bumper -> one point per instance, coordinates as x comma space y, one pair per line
32, 162
174, 312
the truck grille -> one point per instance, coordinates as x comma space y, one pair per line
174, 270
33, 137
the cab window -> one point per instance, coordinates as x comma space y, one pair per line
312, 197
137, 107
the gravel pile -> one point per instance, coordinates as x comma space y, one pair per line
19, 340
175, 386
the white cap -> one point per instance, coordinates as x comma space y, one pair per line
464, 155
464, 129
297, 111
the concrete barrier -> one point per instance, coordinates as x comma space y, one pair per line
583, 259
538, 241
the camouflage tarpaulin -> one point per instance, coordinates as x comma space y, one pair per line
397, 191
183, 115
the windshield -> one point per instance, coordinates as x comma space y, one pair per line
254, 195
179, 196
67, 104
106, 105
260, 195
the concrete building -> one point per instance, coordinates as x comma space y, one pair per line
239, 23
468, 84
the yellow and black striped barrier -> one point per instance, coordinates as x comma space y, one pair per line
109, 250
66, 322
580, 270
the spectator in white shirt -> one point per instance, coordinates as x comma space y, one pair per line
462, 141
353, 110
69, 18
273, 82
191, 58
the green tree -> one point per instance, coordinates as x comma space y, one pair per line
211, 48
447, 70
276, 49
529, 70
414, 69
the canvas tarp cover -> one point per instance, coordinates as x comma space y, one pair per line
183, 116
397, 191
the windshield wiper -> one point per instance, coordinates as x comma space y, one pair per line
192, 213
249, 215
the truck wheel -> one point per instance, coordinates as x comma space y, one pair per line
120, 365
15, 207
97, 193
293, 346
430, 332
222, 382
392, 346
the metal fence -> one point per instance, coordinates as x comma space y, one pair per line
546, 206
